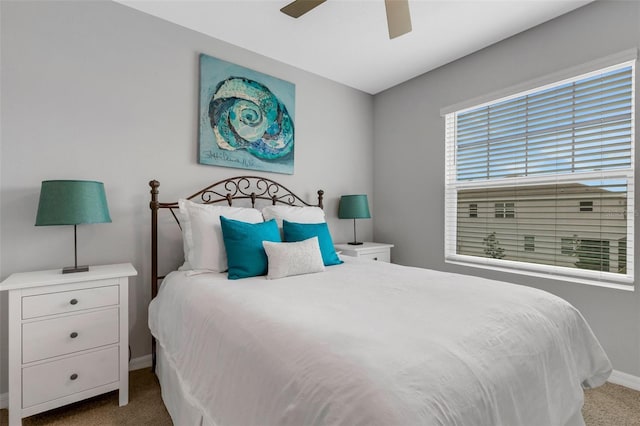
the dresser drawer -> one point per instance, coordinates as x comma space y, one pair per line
46, 382
382, 256
70, 301
53, 337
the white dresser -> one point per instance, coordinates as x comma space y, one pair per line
373, 251
68, 337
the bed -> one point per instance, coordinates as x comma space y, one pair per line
362, 342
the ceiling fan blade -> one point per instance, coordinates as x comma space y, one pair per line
298, 8
398, 17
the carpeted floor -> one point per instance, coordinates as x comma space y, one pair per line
611, 405
608, 405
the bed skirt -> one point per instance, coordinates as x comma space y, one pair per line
180, 404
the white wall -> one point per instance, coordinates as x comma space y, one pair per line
409, 154
96, 90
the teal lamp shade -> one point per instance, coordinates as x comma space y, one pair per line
72, 202
354, 207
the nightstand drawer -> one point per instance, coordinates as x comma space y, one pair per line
374, 251
70, 301
64, 335
382, 256
46, 382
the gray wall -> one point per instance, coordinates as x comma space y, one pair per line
409, 154
96, 90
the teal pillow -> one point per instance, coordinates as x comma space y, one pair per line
243, 242
294, 232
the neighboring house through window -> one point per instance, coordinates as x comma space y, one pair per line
586, 206
473, 210
568, 246
505, 210
529, 243
546, 150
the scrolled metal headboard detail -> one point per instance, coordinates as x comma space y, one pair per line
253, 188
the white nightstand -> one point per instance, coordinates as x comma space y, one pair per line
68, 337
374, 251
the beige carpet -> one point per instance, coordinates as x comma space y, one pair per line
611, 405
608, 405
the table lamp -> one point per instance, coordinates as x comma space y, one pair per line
72, 202
354, 207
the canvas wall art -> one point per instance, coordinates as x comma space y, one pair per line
246, 118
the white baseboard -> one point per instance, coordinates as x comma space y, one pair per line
134, 364
140, 362
624, 379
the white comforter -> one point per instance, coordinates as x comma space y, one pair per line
370, 343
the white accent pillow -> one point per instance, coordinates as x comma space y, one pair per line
287, 259
202, 234
293, 214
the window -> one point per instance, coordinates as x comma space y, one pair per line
529, 243
546, 150
586, 206
473, 210
505, 210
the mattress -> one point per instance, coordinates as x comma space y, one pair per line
371, 343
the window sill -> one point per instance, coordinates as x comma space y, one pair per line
623, 283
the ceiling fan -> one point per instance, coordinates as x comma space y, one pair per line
398, 17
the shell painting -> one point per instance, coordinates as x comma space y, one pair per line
246, 118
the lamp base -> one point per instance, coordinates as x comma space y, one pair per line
72, 269
355, 243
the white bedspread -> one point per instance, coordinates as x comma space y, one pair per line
370, 343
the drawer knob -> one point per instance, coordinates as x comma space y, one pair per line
375, 258
74, 301
73, 335
73, 376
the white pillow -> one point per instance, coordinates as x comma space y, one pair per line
185, 226
293, 214
203, 243
287, 259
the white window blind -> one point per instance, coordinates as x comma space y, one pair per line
552, 165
